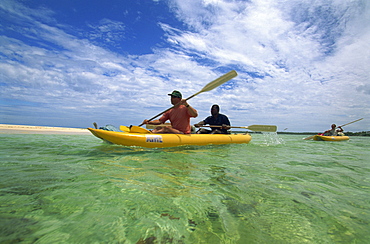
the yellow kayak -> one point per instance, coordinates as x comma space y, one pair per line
330, 138
168, 140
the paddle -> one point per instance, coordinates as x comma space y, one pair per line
149, 126
263, 128
210, 86
351, 122
310, 137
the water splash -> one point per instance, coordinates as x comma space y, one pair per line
272, 138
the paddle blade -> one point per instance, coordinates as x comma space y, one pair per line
263, 128
219, 81
124, 128
138, 129
308, 138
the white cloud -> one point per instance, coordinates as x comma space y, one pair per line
299, 49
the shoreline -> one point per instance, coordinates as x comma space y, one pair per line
30, 129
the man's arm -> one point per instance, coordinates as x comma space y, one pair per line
153, 122
192, 111
200, 124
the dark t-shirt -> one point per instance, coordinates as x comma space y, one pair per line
220, 120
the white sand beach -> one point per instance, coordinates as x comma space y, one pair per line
29, 129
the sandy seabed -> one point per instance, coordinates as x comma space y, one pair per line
29, 129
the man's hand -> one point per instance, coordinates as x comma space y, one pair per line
225, 127
199, 124
184, 102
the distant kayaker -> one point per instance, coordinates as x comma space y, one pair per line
179, 116
334, 131
215, 119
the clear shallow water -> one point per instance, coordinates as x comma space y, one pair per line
77, 189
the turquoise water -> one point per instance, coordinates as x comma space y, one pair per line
277, 189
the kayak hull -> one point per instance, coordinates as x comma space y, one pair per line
150, 140
330, 138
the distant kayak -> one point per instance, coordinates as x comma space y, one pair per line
168, 140
330, 138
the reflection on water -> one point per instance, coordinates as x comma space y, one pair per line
279, 189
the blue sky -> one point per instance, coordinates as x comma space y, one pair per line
301, 65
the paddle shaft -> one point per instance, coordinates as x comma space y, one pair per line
219, 126
210, 86
351, 122
264, 128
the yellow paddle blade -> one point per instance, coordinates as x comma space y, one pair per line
138, 129
219, 81
263, 128
124, 128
